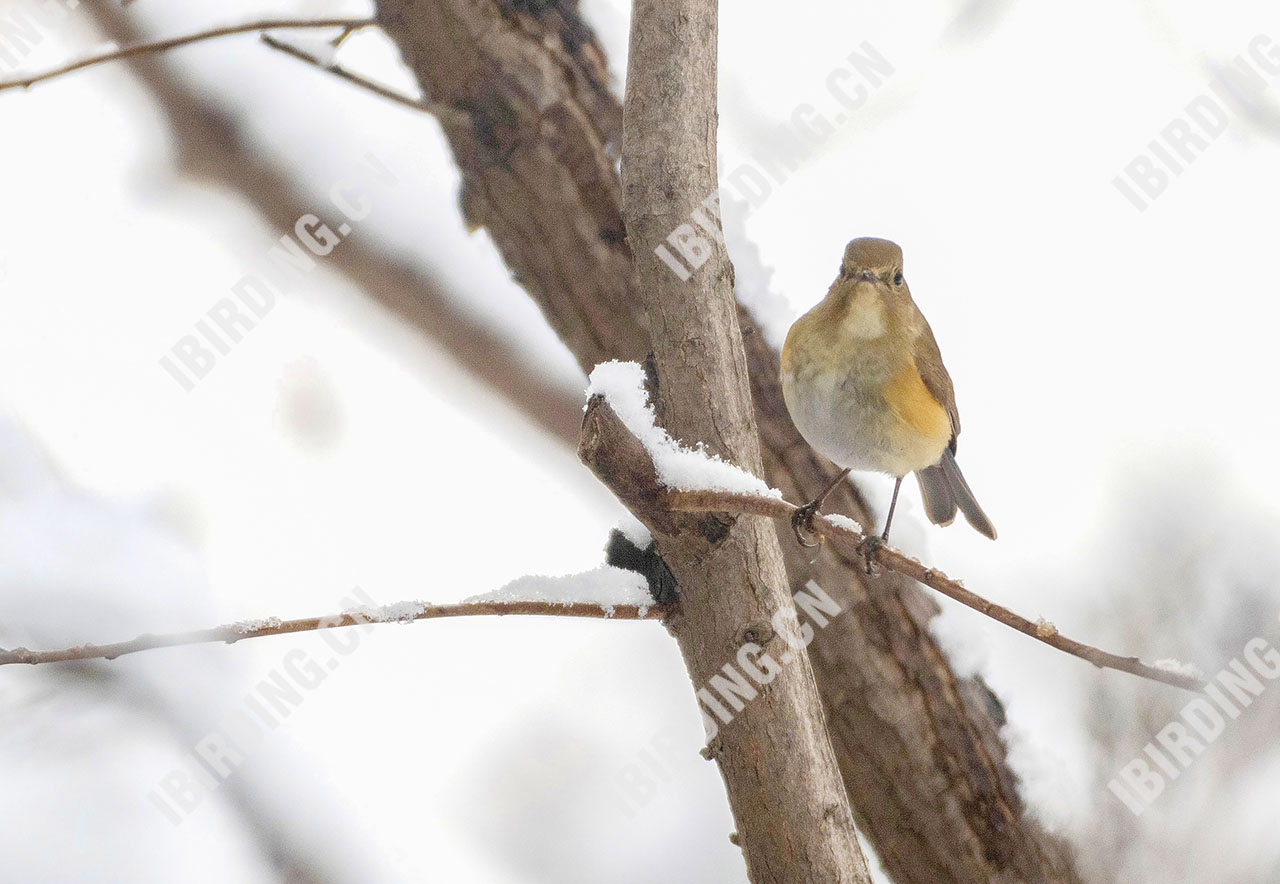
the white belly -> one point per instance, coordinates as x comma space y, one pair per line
849, 424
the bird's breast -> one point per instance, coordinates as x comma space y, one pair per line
871, 412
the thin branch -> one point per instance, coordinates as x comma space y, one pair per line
441, 111
235, 632
347, 24
851, 541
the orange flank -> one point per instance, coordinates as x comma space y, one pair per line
909, 399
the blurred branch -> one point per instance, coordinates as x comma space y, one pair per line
347, 24
272, 829
342, 73
211, 148
236, 632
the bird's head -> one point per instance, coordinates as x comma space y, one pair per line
870, 295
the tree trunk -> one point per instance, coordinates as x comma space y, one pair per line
792, 812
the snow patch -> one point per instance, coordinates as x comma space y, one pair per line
245, 627
1179, 668
622, 386
635, 531
605, 586
1045, 629
845, 522
396, 612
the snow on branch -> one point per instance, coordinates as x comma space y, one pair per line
617, 605
657, 477
607, 587
622, 384
619, 416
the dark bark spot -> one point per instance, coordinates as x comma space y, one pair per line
759, 633
715, 529
574, 32
622, 553
495, 125
613, 235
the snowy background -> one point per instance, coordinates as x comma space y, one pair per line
1115, 370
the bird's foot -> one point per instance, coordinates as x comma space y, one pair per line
802, 524
868, 548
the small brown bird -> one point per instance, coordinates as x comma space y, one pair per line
866, 387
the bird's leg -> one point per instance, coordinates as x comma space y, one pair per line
872, 543
802, 518
893, 503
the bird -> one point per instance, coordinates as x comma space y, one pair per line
864, 383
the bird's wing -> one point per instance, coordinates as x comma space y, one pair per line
935, 377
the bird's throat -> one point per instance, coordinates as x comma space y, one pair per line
864, 316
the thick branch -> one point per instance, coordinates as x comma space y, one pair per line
237, 632
274, 24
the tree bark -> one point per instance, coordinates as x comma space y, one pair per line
792, 812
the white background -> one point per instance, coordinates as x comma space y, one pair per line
1115, 370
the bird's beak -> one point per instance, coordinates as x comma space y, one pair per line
866, 276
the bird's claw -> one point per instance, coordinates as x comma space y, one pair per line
802, 525
868, 548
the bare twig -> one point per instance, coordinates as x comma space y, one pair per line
347, 24
235, 632
716, 501
421, 104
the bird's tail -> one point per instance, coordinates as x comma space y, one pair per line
943, 488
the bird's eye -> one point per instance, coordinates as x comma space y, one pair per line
897, 278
